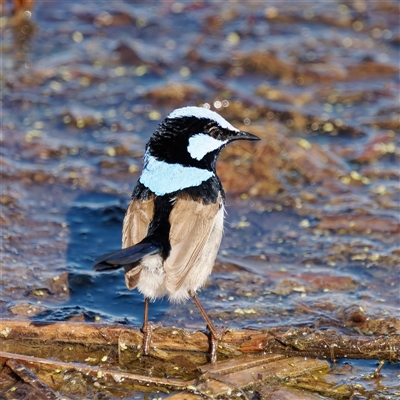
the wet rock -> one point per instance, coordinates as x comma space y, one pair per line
267, 63
26, 309
371, 69
276, 164
82, 116
372, 150
174, 93
359, 223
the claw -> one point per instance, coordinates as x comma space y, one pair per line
147, 334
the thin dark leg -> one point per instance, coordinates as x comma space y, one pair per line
147, 328
211, 327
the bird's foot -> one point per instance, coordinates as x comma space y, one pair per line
216, 334
147, 331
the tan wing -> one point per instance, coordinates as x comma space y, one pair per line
191, 225
136, 224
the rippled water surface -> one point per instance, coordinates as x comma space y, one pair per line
312, 225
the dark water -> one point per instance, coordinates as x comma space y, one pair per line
312, 227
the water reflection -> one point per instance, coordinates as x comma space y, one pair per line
95, 221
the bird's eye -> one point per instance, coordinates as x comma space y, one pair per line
214, 131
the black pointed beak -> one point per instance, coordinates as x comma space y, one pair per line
242, 135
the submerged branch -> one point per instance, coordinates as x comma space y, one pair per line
94, 371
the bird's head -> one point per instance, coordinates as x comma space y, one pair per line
193, 137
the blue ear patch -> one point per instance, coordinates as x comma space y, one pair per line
163, 178
202, 144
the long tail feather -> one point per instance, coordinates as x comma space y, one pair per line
129, 255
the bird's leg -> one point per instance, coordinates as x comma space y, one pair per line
211, 327
147, 328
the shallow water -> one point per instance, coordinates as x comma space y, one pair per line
312, 226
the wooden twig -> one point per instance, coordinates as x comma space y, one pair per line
43, 391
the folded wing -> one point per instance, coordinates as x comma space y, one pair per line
191, 225
137, 220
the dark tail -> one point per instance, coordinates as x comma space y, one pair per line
128, 256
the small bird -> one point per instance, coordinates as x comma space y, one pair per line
173, 226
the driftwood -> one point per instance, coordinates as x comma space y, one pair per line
44, 355
294, 342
